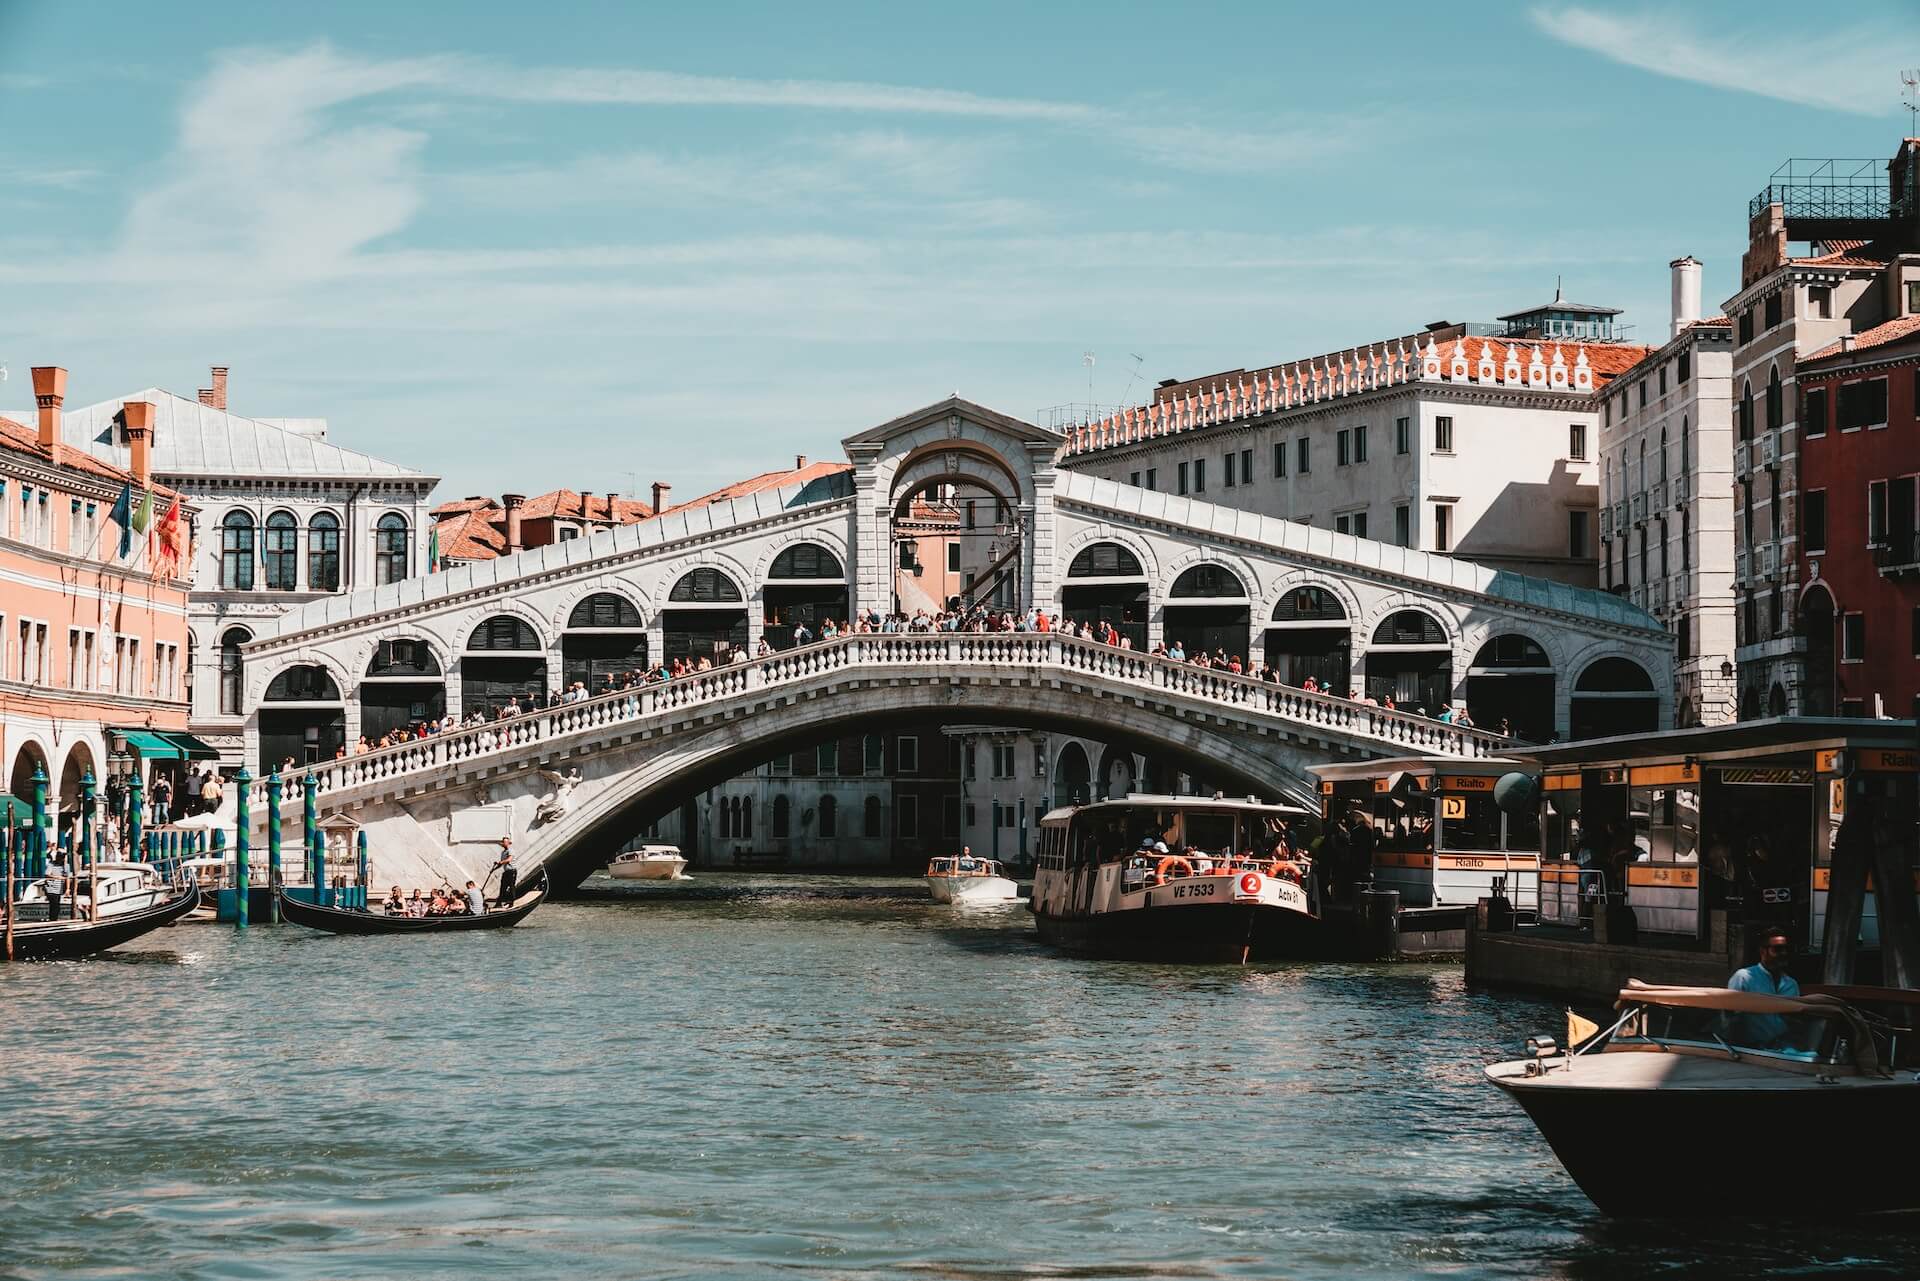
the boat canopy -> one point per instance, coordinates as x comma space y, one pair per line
1729, 1001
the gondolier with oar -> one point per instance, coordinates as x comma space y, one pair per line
509, 874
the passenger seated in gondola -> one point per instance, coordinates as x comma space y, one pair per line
438, 907
416, 905
395, 904
476, 901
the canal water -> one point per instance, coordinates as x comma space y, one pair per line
795, 1077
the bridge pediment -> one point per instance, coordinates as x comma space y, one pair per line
953, 417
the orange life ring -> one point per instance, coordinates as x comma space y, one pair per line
1276, 867
1160, 869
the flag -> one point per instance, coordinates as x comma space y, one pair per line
143, 513
433, 550
172, 537
122, 515
1579, 1029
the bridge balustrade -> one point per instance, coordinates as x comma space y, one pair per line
917, 651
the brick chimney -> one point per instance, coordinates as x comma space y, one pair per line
513, 503
586, 504
49, 392
799, 462
613, 507
215, 397
139, 419
662, 495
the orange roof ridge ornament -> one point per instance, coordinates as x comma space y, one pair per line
1536, 368
1582, 370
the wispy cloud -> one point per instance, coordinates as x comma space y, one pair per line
1843, 69
65, 178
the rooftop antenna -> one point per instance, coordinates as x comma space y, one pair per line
1911, 92
1132, 377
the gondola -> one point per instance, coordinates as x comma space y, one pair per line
64, 940
341, 920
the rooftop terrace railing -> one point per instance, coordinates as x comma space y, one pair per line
1815, 188
895, 653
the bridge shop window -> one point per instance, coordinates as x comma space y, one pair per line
1511, 683
302, 718
806, 585
403, 688
706, 617
1116, 594
1410, 661
503, 663
1309, 637
605, 638
1614, 696
1207, 610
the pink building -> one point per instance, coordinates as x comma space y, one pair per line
93, 641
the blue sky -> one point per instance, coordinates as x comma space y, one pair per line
522, 246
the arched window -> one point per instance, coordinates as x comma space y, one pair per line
746, 818
729, 817
1309, 604
1684, 447
1409, 627
230, 669
390, 559
236, 552
781, 817
872, 826
1746, 409
605, 609
704, 587
307, 684
323, 552
405, 656
806, 560
1105, 560
1614, 676
1208, 581
281, 554
1775, 411
1643, 465
1663, 455
503, 631
829, 816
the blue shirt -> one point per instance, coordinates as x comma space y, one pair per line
1755, 978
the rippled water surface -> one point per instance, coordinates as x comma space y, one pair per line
798, 1082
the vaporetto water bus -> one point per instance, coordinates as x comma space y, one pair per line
1177, 878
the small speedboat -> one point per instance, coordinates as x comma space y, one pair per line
1703, 1101
100, 892
962, 878
649, 863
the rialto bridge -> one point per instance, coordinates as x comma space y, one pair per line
1422, 629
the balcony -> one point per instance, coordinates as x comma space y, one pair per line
1898, 555
1769, 446
1640, 508
1740, 467
1824, 199
1606, 522
1659, 499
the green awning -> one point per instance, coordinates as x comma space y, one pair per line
191, 748
15, 812
151, 744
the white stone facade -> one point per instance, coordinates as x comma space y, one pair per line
1666, 507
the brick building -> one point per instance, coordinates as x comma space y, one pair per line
1859, 548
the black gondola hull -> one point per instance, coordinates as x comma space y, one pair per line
65, 940
339, 920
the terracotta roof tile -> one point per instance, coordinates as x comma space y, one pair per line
1878, 336
1846, 253
26, 440
470, 536
767, 480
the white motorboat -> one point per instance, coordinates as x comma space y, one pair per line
962, 878
102, 891
1699, 1100
649, 863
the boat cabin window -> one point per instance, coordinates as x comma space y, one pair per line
1666, 823
1403, 826
1804, 1037
1469, 823
1560, 823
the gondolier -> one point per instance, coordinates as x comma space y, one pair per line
509, 874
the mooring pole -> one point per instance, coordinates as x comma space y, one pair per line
310, 835
360, 840
242, 782
40, 821
136, 812
7, 849
273, 848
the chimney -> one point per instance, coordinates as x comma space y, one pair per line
219, 400
799, 462
613, 507
586, 504
1846, 342
1686, 293
513, 503
139, 419
49, 391
662, 495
